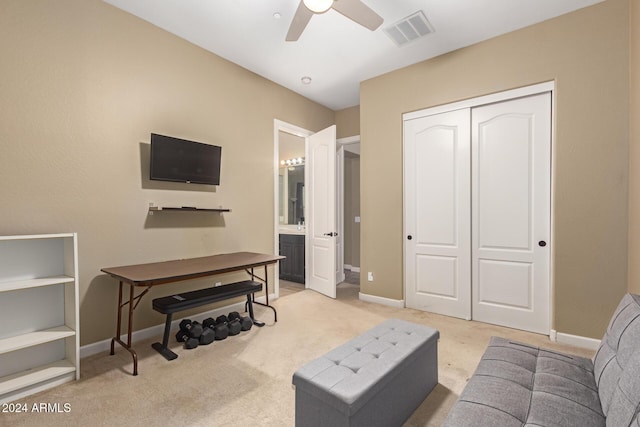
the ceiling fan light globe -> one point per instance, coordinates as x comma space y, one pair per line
318, 6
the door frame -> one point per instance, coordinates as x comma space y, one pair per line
281, 126
340, 276
341, 143
507, 95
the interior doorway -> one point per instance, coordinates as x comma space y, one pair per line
349, 207
315, 232
291, 215
289, 206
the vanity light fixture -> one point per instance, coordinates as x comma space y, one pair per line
292, 162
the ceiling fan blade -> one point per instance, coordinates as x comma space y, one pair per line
299, 23
358, 12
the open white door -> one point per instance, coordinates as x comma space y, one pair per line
321, 212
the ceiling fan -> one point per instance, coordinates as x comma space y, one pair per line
355, 10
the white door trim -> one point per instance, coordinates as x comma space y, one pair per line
341, 143
482, 100
340, 213
278, 126
534, 89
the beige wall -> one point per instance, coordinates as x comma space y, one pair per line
634, 149
83, 85
348, 122
586, 54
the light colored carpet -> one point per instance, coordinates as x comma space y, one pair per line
246, 380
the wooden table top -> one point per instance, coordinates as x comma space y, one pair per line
156, 273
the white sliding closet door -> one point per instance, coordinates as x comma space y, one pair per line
437, 213
477, 211
511, 164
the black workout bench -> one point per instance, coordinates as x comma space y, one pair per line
186, 300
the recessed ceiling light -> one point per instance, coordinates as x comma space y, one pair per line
306, 80
277, 15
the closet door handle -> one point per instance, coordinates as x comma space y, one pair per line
542, 243
409, 237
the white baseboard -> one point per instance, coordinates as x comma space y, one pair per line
158, 330
352, 268
397, 303
575, 340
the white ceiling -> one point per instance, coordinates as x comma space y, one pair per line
334, 51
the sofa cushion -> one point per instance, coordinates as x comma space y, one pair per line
617, 365
517, 384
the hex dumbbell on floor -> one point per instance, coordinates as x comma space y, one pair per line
193, 328
189, 343
245, 322
207, 337
233, 325
221, 331
189, 333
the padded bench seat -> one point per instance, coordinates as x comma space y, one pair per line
192, 299
376, 379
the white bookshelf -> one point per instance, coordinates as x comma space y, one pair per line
39, 315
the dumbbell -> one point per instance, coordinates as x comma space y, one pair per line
220, 331
196, 331
245, 322
207, 337
233, 325
193, 328
189, 343
189, 333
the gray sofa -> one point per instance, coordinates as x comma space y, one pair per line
517, 384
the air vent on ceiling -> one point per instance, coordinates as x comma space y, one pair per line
410, 28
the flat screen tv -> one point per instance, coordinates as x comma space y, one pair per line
179, 160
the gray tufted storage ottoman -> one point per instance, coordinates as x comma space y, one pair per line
376, 379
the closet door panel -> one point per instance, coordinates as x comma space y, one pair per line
504, 179
511, 172
437, 214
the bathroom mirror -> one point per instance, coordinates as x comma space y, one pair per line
291, 194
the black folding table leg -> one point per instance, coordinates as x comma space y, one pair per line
163, 348
249, 304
